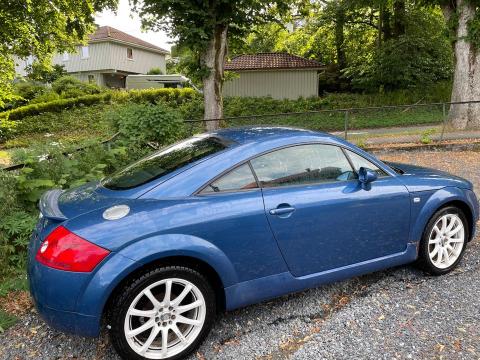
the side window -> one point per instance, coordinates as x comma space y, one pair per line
240, 178
359, 161
303, 164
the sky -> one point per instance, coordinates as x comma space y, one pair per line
128, 22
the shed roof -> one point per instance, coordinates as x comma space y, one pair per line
271, 61
105, 33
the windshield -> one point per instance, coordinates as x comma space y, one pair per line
165, 161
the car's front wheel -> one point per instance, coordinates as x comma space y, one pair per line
444, 241
162, 314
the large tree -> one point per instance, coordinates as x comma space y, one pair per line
463, 16
203, 27
40, 28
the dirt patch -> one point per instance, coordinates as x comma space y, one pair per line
16, 303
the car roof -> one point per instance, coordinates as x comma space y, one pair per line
257, 134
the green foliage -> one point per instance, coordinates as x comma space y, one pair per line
155, 71
45, 168
171, 96
139, 124
38, 72
15, 230
421, 56
426, 136
6, 321
40, 28
70, 86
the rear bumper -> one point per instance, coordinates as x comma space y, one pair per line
55, 294
71, 322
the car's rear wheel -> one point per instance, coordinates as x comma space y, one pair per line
162, 314
444, 241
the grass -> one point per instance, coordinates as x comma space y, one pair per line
10, 282
359, 119
6, 321
72, 126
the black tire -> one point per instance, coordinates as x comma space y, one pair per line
121, 303
424, 260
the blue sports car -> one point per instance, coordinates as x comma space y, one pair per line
230, 218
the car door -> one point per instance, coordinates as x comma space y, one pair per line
322, 216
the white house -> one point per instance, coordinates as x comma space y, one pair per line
108, 58
279, 75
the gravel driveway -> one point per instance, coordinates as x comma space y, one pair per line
398, 313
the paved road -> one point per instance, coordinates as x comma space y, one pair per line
398, 313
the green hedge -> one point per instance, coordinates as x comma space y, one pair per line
176, 96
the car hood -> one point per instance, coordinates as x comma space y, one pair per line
419, 178
65, 204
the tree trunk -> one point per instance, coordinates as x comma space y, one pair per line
398, 18
213, 60
466, 78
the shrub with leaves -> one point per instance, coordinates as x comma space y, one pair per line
70, 86
139, 124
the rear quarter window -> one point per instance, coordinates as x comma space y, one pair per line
165, 161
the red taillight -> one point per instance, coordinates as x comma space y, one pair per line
64, 250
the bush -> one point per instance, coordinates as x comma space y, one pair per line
139, 124
155, 71
69, 87
21, 189
172, 97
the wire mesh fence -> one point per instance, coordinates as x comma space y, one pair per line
368, 126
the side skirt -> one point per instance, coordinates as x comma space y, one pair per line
257, 290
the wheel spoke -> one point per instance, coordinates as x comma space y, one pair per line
141, 329
144, 313
450, 226
446, 255
184, 308
435, 251
454, 231
185, 320
440, 256
182, 295
434, 241
168, 292
153, 299
444, 224
151, 338
455, 240
179, 334
164, 341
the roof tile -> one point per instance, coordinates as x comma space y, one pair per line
110, 33
265, 61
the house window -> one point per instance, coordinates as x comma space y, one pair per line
130, 53
65, 56
84, 52
91, 78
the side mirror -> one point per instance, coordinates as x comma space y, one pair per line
366, 176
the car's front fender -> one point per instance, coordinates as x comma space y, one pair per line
426, 203
145, 251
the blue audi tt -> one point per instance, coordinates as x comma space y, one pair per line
230, 218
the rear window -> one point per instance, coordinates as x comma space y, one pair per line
165, 161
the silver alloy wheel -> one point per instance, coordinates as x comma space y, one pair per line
165, 318
446, 241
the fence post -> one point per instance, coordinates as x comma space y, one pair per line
346, 124
444, 112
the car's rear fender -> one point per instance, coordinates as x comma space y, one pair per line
426, 203
144, 252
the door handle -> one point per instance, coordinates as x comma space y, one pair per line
282, 210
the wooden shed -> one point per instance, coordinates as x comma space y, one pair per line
279, 75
